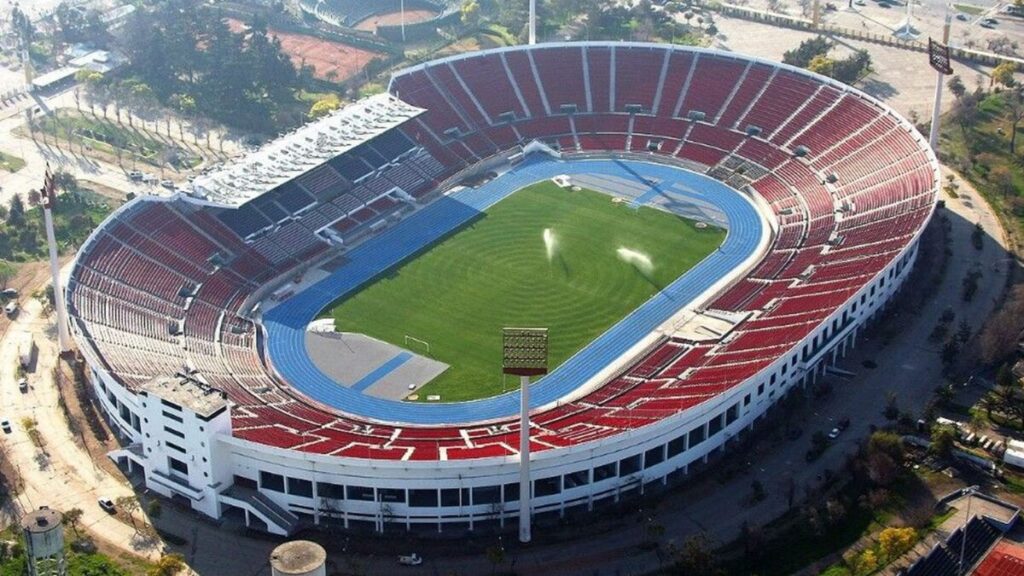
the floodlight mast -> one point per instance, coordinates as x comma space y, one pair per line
524, 460
933, 134
533, 22
524, 354
49, 199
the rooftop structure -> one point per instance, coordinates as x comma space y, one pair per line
187, 392
302, 150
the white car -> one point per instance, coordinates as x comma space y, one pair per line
834, 433
410, 560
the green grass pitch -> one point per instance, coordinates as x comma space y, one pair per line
458, 294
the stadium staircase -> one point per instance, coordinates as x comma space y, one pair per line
279, 521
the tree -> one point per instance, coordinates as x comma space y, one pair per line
496, 556
128, 505
757, 491
942, 440
16, 212
803, 54
7, 272
893, 542
865, 563
821, 64
73, 517
1014, 114
1002, 178
324, 106
956, 86
965, 112
167, 565
695, 556
470, 13
892, 409
65, 181
154, 509
1003, 74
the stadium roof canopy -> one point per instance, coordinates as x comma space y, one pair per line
302, 150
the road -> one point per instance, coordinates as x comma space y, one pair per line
60, 475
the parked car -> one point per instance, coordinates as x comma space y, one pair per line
9, 293
410, 560
167, 184
5, 425
135, 176
961, 17
23, 385
11, 308
107, 505
834, 433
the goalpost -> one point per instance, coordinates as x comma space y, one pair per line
423, 343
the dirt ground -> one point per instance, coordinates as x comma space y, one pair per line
411, 17
332, 61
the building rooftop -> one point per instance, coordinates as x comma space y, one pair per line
187, 392
297, 557
296, 153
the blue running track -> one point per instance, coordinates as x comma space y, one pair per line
381, 371
285, 324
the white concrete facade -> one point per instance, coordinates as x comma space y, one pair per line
384, 494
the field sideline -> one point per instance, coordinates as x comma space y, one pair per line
496, 272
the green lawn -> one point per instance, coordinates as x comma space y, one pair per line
11, 163
459, 294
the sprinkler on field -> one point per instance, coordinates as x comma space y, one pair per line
550, 243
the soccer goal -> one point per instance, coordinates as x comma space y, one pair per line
421, 343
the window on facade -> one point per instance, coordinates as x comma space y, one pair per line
391, 495
177, 466
329, 490
580, 478
629, 465
486, 495
173, 432
174, 446
654, 456
604, 471
696, 436
677, 446
171, 416
454, 496
733, 413
364, 493
715, 425
511, 492
300, 487
419, 498
547, 486
270, 481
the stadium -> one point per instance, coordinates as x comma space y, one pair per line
750, 219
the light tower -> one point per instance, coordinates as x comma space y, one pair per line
533, 22
938, 57
44, 542
524, 354
49, 195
